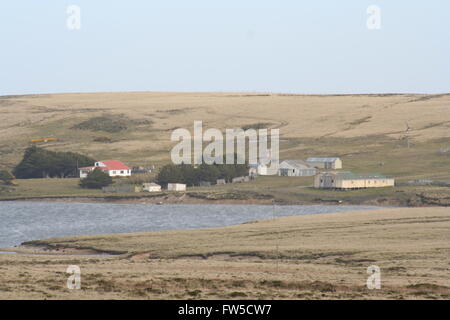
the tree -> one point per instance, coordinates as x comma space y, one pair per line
170, 174
6, 177
96, 179
41, 163
209, 173
192, 176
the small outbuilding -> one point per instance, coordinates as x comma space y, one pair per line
296, 168
151, 187
176, 187
325, 163
221, 182
237, 180
348, 180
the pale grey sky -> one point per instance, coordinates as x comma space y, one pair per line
321, 46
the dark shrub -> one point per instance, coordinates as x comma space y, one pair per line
97, 179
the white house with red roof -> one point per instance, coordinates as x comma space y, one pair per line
112, 167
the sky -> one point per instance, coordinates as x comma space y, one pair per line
283, 46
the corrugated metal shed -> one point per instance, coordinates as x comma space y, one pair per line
299, 164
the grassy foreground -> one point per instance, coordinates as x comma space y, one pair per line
308, 257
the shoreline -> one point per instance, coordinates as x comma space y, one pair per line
139, 200
195, 199
44, 247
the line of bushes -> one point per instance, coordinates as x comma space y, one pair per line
41, 163
193, 176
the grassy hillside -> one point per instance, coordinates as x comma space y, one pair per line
367, 131
319, 256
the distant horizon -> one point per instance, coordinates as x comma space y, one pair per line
237, 92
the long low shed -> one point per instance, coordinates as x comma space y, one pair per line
350, 180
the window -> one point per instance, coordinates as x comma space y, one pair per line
121, 172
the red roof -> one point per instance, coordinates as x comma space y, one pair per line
110, 165
115, 165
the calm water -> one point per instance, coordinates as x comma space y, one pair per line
25, 221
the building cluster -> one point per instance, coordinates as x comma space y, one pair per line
118, 169
326, 171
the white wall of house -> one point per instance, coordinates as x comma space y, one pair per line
111, 173
84, 173
119, 173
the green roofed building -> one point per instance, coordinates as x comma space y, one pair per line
349, 180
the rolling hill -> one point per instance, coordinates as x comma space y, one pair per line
367, 131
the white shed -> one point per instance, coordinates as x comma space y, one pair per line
151, 187
264, 170
296, 168
176, 187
